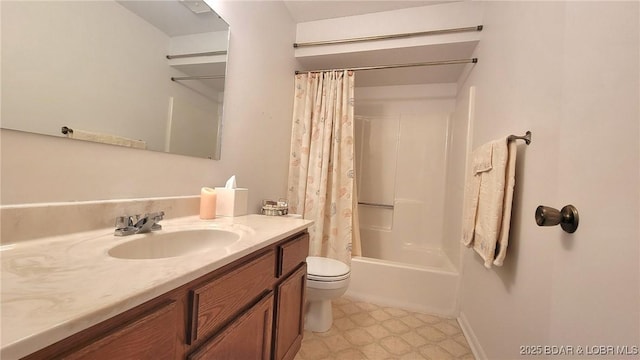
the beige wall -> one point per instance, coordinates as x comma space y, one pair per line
569, 72
255, 144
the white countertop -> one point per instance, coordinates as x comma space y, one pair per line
55, 287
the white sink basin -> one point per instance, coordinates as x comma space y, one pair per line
158, 245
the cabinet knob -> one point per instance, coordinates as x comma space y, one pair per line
567, 217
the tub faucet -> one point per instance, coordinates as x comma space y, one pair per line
138, 224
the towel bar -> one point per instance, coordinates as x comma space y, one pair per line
526, 137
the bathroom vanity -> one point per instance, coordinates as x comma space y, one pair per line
242, 302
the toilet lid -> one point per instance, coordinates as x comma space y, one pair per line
325, 269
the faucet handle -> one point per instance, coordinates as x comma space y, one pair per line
123, 222
124, 226
156, 216
137, 224
148, 221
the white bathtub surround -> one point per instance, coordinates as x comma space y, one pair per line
403, 147
405, 136
54, 287
321, 167
32, 221
488, 196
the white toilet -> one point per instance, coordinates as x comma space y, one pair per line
327, 279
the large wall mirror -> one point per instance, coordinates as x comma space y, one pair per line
145, 74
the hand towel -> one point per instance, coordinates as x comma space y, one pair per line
480, 162
488, 200
505, 224
106, 139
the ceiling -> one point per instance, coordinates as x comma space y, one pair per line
311, 10
174, 18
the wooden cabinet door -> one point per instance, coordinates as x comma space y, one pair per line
290, 314
219, 301
247, 337
151, 336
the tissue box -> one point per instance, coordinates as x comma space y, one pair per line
231, 202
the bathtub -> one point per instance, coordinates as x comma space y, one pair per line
424, 281
404, 219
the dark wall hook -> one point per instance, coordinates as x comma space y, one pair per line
567, 217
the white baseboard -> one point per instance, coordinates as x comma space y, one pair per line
472, 339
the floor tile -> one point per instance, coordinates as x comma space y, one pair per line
371, 332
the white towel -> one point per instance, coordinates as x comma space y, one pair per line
106, 139
488, 198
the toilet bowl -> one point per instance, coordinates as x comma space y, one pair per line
327, 279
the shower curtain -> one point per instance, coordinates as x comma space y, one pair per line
321, 183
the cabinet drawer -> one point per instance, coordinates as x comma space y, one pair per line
292, 253
215, 303
151, 336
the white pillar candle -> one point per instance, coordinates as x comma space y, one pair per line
207, 203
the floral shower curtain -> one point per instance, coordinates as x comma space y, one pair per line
322, 163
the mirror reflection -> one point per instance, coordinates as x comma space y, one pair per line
143, 74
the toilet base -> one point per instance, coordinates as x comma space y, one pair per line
318, 316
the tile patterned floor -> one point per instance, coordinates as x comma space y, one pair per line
370, 332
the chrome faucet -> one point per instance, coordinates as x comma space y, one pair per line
138, 224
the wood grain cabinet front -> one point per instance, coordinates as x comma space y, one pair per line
151, 336
215, 303
148, 335
247, 337
290, 297
289, 325
292, 253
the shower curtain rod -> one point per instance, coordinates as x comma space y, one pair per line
210, 53
178, 78
386, 37
380, 67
